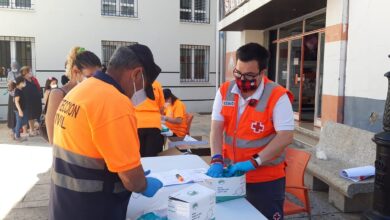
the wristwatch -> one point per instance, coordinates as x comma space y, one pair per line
257, 159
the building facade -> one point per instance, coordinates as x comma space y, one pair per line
331, 54
181, 35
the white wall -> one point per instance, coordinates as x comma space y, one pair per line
368, 49
233, 40
58, 26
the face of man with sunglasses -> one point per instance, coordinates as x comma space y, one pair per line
248, 77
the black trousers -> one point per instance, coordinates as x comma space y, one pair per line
267, 197
151, 141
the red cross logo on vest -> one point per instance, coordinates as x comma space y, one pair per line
257, 127
276, 216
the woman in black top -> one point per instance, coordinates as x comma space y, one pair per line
33, 101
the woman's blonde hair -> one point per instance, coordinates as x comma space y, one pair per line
24, 70
70, 59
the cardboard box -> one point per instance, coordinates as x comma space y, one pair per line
228, 188
196, 202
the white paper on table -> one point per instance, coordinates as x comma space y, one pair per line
189, 138
169, 178
357, 174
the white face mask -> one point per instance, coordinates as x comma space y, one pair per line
82, 79
53, 86
140, 95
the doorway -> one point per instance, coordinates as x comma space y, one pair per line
299, 51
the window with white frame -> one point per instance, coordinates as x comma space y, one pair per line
19, 49
194, 11
194, 63
121, 8
108, 48
16, 4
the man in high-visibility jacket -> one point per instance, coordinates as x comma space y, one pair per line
148, 116
252, 123
96, 149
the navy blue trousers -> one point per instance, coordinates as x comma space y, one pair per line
268, 197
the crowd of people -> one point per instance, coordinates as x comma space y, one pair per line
26, 112
24, 104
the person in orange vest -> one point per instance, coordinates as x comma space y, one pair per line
96, 164
175, 114
252, 124
148, 116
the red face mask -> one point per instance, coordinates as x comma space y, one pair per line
246, 85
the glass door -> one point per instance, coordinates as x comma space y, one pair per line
282, 68
320, 73
295, 76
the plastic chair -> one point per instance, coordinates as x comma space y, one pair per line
189, 122
296, 164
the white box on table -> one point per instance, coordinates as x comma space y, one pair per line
196, 202
228, 188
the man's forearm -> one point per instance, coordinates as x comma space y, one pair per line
277, 145
216, 137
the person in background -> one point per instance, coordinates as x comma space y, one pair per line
79, 65
64, 80
175, 114
11, 77
14, 73
11, 119
20, 113
96, 145
148, 116
51, 83
33, 101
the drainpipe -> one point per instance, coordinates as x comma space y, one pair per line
217, 54
343, 53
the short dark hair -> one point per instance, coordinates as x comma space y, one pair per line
168, 94
253, 51
122, 59
19, 80
87, 59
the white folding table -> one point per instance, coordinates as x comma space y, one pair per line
234, 209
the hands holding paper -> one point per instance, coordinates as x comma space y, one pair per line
152, 185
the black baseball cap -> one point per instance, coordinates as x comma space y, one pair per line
152, 70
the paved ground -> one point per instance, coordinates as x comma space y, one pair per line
24, 188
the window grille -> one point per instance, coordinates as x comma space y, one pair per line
120, 8
196, 11
108, 48
16, 4
194, 63
16, 48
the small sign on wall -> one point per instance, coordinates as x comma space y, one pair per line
296, 61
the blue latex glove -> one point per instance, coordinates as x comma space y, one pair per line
215, 170
244, 166
152, 186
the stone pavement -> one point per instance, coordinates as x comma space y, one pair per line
24, 188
